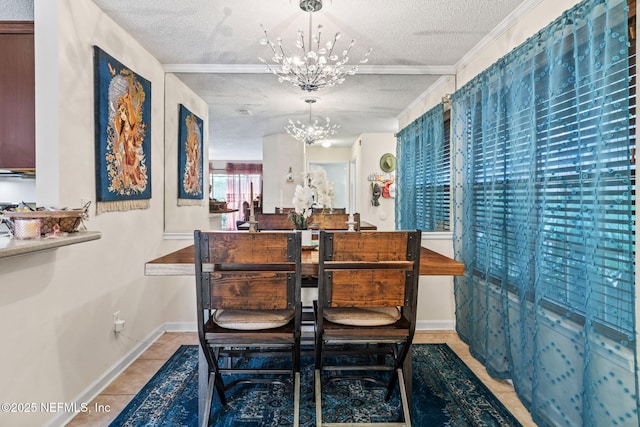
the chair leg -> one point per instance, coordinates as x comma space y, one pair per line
207, 408
318, 393
318, 353
390, 385
397, 366
403, 397
296, 400
219, 383
215, 377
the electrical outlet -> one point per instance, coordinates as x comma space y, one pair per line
118, 324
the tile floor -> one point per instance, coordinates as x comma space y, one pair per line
124, 387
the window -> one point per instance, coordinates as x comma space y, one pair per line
218, 182
240, 179
424, 173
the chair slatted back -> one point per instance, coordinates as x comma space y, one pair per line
372, 268
329, 211
335, 221
239, 270
366, 287
284, 210
274, 221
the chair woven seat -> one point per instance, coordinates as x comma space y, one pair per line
251, 320
362, 316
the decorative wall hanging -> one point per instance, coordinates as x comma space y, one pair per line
375, 194
389, 189
123, 136
190, 170
388, 162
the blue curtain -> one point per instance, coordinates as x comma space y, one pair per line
544, 196
422, 197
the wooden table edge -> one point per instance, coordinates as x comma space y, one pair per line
181, 262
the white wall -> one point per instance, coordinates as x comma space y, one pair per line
367, 151
444, 86
16, 190
57, 305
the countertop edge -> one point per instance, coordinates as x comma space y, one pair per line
11, 247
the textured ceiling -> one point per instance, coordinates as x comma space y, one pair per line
213, 47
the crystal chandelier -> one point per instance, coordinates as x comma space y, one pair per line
314, 66
313, 131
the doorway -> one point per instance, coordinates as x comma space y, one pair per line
337, 174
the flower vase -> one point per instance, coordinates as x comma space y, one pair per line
305, 236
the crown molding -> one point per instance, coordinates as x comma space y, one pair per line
500, 29
503, 26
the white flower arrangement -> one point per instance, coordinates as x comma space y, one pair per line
316, 191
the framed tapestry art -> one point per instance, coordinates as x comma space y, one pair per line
190, 169
123, 136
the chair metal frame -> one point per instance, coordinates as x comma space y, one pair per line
250, 271
366, 269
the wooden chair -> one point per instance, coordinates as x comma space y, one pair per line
284, 210
248, 301
329, 210
274, 221
366, 308
334, 221
245, 214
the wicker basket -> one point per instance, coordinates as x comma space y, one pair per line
217, 206
67, 221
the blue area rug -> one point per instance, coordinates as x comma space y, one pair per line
445, 393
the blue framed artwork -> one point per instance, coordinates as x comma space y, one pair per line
123, 136
190, 145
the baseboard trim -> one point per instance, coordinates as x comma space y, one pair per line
181, 327
435, 325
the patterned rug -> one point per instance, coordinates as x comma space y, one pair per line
445, 393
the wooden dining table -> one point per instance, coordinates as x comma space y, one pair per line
182, 263
364, 225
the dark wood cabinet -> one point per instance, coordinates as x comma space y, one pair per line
17, 96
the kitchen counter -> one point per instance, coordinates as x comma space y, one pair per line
12, 247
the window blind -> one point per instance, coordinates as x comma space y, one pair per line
424, 173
